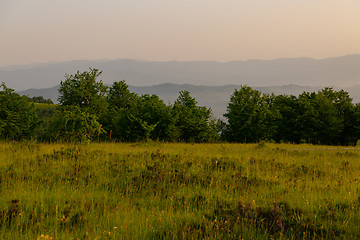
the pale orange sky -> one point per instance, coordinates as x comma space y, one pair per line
217, 30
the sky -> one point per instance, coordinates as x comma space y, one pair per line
40, 31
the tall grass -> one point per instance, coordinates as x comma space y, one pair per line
176, 191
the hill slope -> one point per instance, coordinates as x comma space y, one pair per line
340, 71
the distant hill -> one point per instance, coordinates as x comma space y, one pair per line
215, 97
340, 71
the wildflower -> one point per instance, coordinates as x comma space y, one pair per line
44, 237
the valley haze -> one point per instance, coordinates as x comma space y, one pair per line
211, 83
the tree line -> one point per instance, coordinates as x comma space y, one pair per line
88, 110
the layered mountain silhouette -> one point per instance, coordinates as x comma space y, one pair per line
340, 71
211, 83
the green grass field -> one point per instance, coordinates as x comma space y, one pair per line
178, 191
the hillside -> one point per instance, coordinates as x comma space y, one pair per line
340, 71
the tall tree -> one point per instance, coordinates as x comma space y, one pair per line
193, 123
121, 104
345, 114
286, 129
18, 117
148, 119
119, 96
83, 90
248, 115
70, 123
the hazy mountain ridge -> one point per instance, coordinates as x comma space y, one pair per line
340, 71
215, 97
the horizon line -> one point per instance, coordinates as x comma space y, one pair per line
40, 64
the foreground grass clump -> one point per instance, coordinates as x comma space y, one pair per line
176, 191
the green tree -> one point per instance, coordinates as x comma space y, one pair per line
355, 136
146, 118
155, 116
70, 123
44, 112
193, 123
345, 114
119, 96
121, 104
40, 99
249, 116
83, 90
286, 129
18, 117
325, 116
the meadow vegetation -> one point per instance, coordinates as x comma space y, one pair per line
178, 191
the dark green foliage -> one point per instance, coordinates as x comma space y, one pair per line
40, 99
83, 90
71, 124
121, 105
249, 116
45, 113
287, 129
132, 118
86, 101
119, 96
327, 117
18, 118
146, 117
193, 123
154, 118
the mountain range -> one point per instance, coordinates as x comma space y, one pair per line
211, 83
340, 71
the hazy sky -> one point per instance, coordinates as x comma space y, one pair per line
34, 31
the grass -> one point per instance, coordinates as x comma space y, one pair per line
177, 191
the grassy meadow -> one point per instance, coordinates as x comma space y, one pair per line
178, 191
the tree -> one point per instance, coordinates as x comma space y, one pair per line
70, 123
148, 119
286, 129
18, 117
120, 103
356, 125
248, 115
345, 113
40, 99
330, 122
45, 113
155, 116
192, 122
325, 117
119, 96
83, 90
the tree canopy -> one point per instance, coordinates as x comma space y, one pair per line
18, 117
248, 114
90, 110
83, 90
192, 122
324, 117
